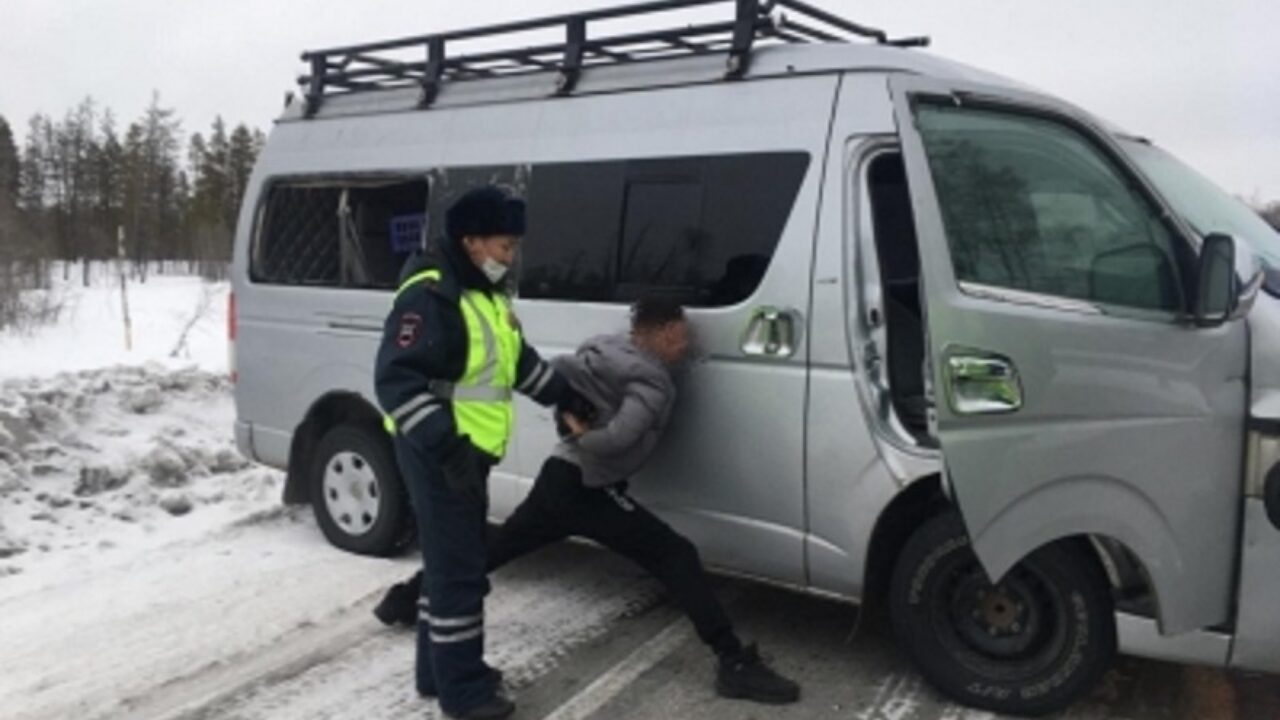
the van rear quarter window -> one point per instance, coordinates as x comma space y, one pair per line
337, 232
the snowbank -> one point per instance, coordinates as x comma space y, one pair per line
90, 331
118, 458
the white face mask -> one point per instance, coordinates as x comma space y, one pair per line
493, 270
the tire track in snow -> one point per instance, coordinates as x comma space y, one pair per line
78, 647
542, 608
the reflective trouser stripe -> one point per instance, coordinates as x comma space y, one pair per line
450, 630
439, 622
441, 638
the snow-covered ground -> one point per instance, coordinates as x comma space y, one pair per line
90, 331
147, 570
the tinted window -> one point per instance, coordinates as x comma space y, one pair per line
700, 229
1031, 204
354, 234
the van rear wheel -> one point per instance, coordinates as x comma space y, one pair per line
359, 501
1031, 644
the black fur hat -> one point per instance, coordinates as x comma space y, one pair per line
483, 212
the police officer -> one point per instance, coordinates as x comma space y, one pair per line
451, 355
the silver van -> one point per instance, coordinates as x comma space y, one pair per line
966, 352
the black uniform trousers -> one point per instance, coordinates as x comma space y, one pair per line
559, 505
451, 531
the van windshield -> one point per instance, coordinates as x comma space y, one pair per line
1204, 205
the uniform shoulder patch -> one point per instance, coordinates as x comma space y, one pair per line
408, 329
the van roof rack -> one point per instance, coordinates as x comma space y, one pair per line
382, 65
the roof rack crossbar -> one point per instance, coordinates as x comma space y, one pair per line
808, 32
378, 65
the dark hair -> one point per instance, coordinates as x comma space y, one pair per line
649, 313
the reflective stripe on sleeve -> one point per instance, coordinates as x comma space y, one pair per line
417, 417
413, 404
534, 377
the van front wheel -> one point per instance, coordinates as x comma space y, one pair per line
359, 501
1029, 645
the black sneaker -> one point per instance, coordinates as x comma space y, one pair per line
745, 676
496, 709
399, 606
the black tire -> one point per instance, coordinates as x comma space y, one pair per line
364, 508
1033, 644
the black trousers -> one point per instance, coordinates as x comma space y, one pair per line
559, 506
450, 592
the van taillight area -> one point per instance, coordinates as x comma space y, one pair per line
231, 336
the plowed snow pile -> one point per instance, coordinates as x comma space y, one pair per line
116, 460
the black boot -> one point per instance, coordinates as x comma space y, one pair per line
496, 709
400, 605
497, 681
744, 675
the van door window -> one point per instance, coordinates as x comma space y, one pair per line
569, 251
1030, 204
339, 233
701, 230
663, 238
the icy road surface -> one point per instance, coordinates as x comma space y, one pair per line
147, 571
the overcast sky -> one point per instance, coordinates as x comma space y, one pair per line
1201, 77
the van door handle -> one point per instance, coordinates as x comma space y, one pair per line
980, 383
871, 360
771, 332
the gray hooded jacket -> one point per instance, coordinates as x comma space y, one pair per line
633, 392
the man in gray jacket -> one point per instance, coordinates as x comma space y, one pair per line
582, 488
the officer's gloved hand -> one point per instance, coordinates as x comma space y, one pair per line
464, 468
577, 405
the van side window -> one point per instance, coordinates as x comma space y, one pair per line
662, 238
298, 241
701, 229
1031, 204
574, 210
339, 233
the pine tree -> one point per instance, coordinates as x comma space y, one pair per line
9, 223
152, 208
108, 173
10, 163
241, 156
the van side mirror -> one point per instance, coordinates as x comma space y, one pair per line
1217, 291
